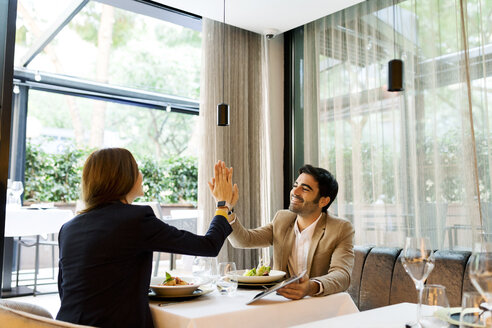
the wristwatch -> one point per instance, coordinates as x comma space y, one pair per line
223, 203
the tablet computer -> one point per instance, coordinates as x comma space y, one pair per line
276, 287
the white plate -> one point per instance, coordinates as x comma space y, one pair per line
447, 314
273, 276
175, 291
196, 293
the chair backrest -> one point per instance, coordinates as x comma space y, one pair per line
360, 258
449, 271
375, 284
402, 286
13, 317
26, 307
383, 280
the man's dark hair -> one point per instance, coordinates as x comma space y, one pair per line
327, 184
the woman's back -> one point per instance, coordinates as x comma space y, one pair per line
105, 267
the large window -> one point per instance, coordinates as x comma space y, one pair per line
98, 76
412, 162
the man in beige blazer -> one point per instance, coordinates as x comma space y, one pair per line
306, 237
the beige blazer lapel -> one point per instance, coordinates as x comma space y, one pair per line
287, 245
318, 233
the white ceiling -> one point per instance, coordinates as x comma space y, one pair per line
262, 16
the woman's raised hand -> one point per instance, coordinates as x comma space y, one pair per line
221, 185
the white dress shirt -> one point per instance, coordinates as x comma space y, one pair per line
300, 249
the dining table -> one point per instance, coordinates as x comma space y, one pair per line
27, 221
216, 310
399, 315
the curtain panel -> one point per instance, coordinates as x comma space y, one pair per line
408, 163
246, 144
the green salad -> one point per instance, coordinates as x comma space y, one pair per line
261, 271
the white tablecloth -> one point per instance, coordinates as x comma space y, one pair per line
384, 317
30, 222
215, 310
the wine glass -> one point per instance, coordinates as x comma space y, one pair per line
472, 313
480, 270
434, 297
16, 190
227, 279
205, 268
418, 261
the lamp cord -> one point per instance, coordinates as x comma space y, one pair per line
223, 53
394, 31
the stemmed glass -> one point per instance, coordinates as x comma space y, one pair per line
15, 191
434, 297
227, 279
418, 261
205, 268
481, 270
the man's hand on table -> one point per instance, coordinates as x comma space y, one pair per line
298, 290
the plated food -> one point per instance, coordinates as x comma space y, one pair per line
172, 287
174, 281
261, 271
273, 275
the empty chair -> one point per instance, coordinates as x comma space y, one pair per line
36, 242
449, 270
19, 314
361, 253
402, 286
375, 284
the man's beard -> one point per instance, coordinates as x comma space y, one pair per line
308, 208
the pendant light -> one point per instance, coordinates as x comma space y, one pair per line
223, 108
395, 66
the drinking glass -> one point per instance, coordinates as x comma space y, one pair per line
14, 194
471, 314
205, 268
433, 298
418, 261
481, 269
227, 278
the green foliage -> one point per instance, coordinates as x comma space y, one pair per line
52, 177
57, 177
174, 180
87, 24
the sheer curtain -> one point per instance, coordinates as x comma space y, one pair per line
248, 144
412, 162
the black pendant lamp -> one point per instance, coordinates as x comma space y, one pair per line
395, 66
223, 108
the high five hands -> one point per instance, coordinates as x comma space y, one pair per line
221, 185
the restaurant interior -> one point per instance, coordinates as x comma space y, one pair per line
389, 96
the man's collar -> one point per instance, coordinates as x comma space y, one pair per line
296, 226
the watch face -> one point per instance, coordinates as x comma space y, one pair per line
221, 203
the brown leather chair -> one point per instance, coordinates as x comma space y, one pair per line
360, 258
377, 273
402, 286
449, 271
467, 284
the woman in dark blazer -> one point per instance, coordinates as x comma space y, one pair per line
106, 251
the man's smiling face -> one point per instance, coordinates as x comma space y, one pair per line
304, 196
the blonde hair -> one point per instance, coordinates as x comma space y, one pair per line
108, 175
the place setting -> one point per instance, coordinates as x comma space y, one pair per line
178, 288
433, 307
261, 276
